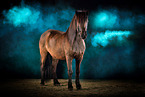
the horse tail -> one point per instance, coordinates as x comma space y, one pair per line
48, 69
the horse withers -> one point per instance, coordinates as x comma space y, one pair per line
67, 46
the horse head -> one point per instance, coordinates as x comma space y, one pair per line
82, 23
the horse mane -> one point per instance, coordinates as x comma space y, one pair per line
81, 18
71, 31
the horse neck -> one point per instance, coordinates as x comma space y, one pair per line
71, 31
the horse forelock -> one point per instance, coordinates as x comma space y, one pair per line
81, 17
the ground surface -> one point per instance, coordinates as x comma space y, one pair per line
90, 88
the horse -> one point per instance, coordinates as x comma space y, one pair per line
67, 46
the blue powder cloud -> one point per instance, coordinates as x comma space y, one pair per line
24, 24
32, 17
114, 19
19, 16
105, 19
104, 38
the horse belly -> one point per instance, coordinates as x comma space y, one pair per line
56, 49
58, 54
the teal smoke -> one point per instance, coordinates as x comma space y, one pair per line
109, 48
104, 38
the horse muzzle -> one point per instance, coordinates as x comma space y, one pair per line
84, 35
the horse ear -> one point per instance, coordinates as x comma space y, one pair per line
76, 12
87, 12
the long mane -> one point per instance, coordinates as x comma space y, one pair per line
71, 31
79, 17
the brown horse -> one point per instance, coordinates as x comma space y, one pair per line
67, 46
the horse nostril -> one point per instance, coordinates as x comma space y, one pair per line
84, 35
84, 32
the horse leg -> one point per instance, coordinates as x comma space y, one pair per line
54, 66
78, 63
43, 67
70, 71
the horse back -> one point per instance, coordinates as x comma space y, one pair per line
49, 34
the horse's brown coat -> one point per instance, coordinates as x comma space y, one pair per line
65, 46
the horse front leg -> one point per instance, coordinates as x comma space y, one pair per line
78, 63
70, 71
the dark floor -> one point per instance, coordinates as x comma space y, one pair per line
90, 88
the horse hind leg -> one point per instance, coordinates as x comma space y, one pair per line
54, 67
48, 71
43, 65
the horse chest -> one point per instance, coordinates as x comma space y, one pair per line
78, 47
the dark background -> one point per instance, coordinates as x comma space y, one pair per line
82, 4
8, 64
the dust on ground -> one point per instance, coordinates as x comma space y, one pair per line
90, 88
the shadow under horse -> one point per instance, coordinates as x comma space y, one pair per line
67, 46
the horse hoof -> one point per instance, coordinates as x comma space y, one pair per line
42, 84
56, 84
70, 88
78, 87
